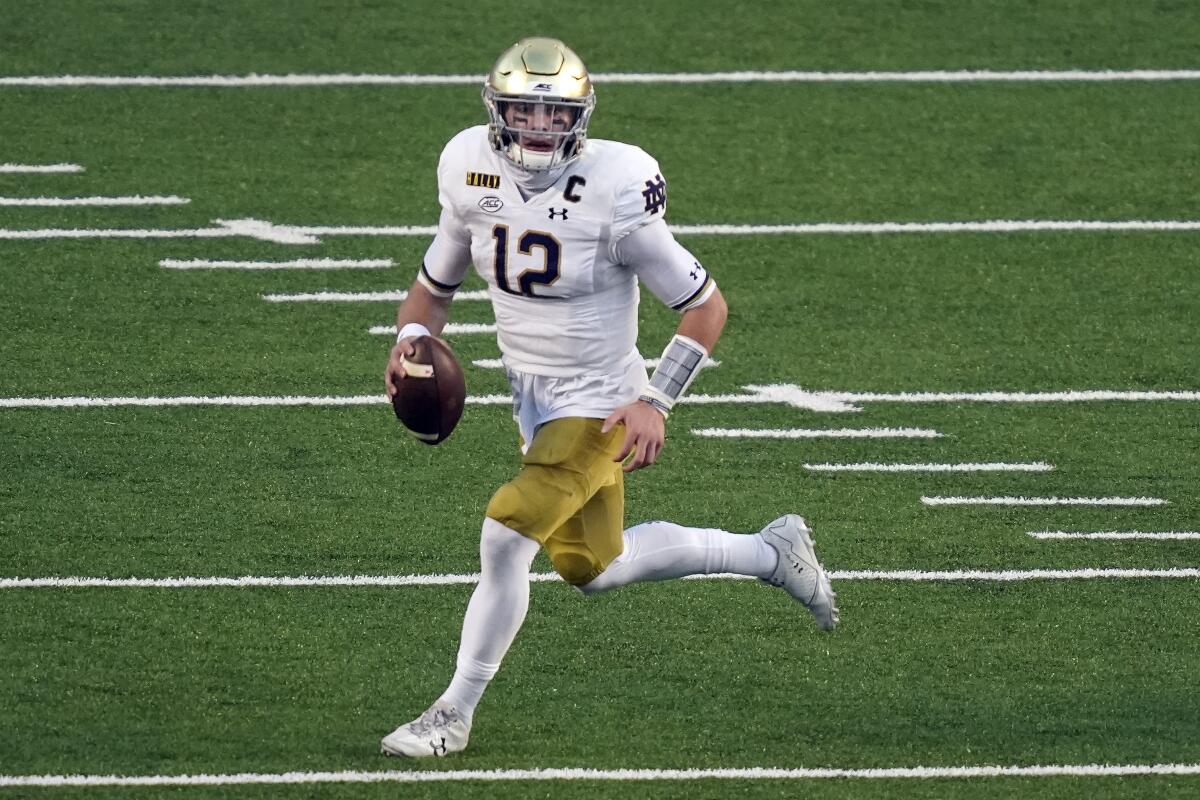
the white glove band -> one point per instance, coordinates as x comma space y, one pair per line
412, 329
681, 361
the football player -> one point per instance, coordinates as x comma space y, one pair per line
563, 228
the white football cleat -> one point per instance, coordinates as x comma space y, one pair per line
439, 731
799, 572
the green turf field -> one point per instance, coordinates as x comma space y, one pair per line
686, 675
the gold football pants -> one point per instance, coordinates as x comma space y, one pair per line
569, 496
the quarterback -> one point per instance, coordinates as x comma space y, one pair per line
563, 229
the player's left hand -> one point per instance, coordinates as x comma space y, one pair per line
644, 434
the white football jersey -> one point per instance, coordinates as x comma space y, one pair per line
564, 294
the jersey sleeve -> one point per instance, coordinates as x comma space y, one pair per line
641, 196
449, 255
667, 268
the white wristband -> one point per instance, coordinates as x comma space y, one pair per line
412, 329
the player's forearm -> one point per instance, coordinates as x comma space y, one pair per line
684, 355
704, 323
423, 308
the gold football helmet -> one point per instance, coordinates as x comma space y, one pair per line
539, 99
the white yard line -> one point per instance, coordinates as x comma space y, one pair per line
452, 329
234, 228
816, 433
299, 234
743, 76
222, 400
1115, 535
395, 296
132, 200
450, 579
39, 168
981, 226
191, 400
119, 233
785, 394
1036, 466
1043, 501
651, 363
848, 402
299, 263
623, 775
1009, 575
586, 774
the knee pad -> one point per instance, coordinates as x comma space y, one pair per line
576, 569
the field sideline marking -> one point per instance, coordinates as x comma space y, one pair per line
587, 774
448, 579
783, 393
299, 263
1044, 501
1115, 535
131, 200
613, 78
39, 168
301, 234
1036, 466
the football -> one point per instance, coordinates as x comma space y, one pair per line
429, 398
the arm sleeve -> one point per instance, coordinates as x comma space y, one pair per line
449, 256
672, 273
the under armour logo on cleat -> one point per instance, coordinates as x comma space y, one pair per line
439, 749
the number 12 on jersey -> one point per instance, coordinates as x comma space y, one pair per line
551, 258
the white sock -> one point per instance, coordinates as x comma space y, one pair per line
494, 615
656, 551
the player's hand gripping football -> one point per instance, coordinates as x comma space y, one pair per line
395, 370
644, 434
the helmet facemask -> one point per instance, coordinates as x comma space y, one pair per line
537, 132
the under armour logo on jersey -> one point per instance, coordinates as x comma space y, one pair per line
553, 212
655, 194
696, 272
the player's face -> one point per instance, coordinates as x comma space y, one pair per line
534, 118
